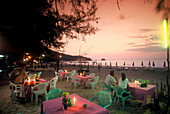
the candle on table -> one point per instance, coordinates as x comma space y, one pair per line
34, 80
28, 81
74, 101
80, 74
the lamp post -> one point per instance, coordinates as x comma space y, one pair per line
166, 35
58, 61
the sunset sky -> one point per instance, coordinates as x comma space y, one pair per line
134, 32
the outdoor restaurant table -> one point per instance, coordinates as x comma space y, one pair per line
141, 93
62, 74
27, 87
84, 79
55, 106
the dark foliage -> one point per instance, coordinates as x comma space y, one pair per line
31, 25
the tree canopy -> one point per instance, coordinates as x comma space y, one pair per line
33, 24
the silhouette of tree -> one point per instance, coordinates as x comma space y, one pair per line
33, 24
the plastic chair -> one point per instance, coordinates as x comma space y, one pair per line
93, 82
103, 98
60, 70
54, 93
56, 73
16, 89
41, 90
119, 92
68, 76
73, 71
75, 81
92, 74
53, 82
106, 88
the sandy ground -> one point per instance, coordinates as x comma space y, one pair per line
20, 106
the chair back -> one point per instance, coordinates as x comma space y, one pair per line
41, 87
73, 71
104, 86
54, 93
119, 90
92, 74
103, 98
53, 81
14, 86
96, 79
76, 80
56, 73
60, 70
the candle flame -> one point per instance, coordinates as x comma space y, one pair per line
74, 101
28, 80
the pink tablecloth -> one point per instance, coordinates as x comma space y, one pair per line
141, 93
62, 74
52, 106
84, 79
28, 87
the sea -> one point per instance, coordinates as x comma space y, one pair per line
123, 63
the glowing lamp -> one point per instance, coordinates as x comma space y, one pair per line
65, 70
74, 101
60, 56
27, 53
166, 34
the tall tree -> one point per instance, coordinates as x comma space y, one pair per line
33, 24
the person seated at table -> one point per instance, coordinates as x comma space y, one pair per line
18, 75
111, 79
124, 82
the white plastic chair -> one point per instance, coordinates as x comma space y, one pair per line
56, 73
68, 76
16, 89
53, 82
92, 74
41, 89
60, 70
73, 71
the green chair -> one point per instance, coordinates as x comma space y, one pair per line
54, 93
76, 81
106, 88
93, 82
103, 98
119, 92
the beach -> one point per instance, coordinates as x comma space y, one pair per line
25, 107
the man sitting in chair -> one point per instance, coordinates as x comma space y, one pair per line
111, 80
18, 75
